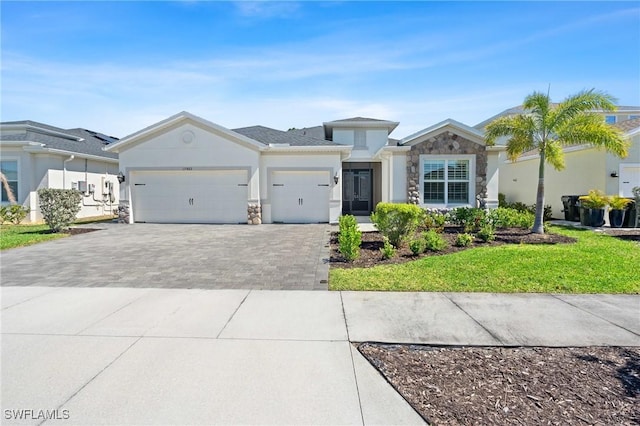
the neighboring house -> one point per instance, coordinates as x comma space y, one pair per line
186, 169
36, 155
586, 168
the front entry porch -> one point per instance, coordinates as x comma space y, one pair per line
361, 188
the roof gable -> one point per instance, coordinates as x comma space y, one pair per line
177, 120
448, 125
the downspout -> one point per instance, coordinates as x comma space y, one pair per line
64, 171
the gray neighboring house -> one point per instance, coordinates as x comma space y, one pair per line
36, 155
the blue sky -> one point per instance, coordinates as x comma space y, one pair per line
117, 67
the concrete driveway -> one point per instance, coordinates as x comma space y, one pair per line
266, 257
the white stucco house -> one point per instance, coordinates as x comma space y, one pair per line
186, 169
35, 155
586, 168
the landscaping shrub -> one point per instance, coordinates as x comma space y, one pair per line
59, 207
487, 233
464, 240
522, 207
434, 241
503, 217
349, 237
434, 221
387, 250
470, 218
417, 246
396, 221
14, 213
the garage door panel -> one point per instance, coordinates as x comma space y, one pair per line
300, 196
202, 196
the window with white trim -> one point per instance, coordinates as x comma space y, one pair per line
9, 169
447, 180
610, 119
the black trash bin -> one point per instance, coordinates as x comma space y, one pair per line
630, 215
571, 209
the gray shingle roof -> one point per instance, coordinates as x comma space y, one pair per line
63, 139
268, 136
316, 132
356, 119
628, 125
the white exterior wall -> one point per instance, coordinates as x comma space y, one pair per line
375, 139
585, 170
46, 170
301, 161
207, 149
343, 136
399, 178
493, 178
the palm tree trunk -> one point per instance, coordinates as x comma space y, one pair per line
7, 188
538, 224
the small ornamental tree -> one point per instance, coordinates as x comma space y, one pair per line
59, 207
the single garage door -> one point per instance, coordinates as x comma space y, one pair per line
629, 178
300, 196
192, 196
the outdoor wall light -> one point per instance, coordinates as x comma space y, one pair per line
614, 174
336, 178
121, 177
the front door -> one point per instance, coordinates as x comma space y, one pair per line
356, 192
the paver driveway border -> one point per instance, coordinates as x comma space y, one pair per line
265, 257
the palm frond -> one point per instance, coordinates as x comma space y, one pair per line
592, 130
580, 103
554, 155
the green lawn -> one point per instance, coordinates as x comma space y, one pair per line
23, 235
597, 263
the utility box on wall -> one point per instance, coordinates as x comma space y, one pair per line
82, 185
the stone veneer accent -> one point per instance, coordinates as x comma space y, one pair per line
446, 143
254, 214
123, 212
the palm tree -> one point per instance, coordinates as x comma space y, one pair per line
547, 127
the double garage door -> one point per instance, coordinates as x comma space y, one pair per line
193, 196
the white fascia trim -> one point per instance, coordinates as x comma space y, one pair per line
633, 132
21, 143
42, 149
319, 148
461, 128
174, 119
26, 127
496, 148
391, 150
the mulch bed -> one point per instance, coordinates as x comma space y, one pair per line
77, 231
532, 386
372, 243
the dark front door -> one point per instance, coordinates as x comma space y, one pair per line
356, 192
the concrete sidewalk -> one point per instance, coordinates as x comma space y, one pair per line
165, 356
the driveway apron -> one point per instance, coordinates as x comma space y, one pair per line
265, 257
